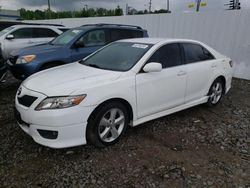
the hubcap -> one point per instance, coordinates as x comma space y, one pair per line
216, 93
111, 125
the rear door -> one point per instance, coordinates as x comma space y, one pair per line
199, 62
91, 41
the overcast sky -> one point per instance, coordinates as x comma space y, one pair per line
175, 5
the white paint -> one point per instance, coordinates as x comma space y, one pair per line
151, 95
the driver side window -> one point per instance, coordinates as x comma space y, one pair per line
168, 55
93, 38
23, 33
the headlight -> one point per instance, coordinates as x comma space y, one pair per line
25, 59
60, 102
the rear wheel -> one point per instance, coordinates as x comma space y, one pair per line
107, 124
216, 92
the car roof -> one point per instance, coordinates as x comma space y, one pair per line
157, 40
42, 26
104, 25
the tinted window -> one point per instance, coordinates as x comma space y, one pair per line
117, 34
168, 55
23, 33
207, 54
195, 53
94, 38
44, 33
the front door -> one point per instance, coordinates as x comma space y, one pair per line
163, 90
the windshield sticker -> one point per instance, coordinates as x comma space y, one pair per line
143, 46
76, 31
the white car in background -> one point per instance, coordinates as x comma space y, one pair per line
125, 83
20, 36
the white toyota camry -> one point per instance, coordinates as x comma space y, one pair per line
124, 84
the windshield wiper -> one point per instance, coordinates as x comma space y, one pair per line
93, 65
90, 65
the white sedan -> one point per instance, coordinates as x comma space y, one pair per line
124, 84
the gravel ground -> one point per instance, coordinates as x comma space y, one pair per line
198, 147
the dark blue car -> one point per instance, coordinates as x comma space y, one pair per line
71, 46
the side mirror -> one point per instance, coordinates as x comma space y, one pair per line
152, 67
10, 37
79, 44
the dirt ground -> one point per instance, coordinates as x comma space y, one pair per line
198, 147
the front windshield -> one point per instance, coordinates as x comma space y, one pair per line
6, 31
119, 56
66, 37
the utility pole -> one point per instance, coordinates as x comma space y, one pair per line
150, 5
168, 5
86, 7
49, 8
198, 5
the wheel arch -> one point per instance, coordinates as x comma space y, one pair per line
223, 80
121, 100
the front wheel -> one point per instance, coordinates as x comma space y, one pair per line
216, 92
107, 124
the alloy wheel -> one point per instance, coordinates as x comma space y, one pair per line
216, 94
111, 125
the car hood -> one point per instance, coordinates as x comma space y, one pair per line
36, 50
67, 79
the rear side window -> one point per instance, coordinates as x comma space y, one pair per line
168, 55
44, 33
117, 34
23, 33
195, 53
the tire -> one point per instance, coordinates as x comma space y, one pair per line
102, 129
49, 65
216, 92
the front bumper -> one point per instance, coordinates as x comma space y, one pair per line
69, 124
22, 71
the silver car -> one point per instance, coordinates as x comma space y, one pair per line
21, 36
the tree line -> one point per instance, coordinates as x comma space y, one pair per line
91, 12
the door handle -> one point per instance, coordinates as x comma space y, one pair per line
214, 66
182, 73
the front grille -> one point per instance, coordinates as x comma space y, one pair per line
13, 59
26, 100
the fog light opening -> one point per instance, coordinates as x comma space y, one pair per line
48, 134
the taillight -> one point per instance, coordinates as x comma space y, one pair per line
231, 63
